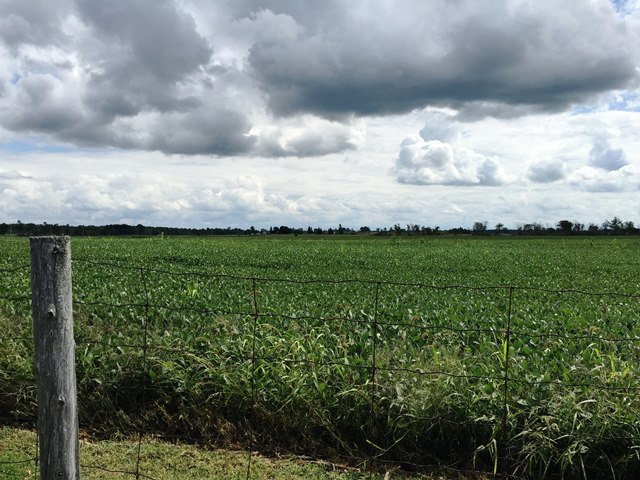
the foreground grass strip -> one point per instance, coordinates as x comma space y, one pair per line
110, 459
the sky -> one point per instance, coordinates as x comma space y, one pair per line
216, 113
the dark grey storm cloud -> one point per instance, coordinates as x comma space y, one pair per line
41, 106
244, 76
35, 22
145, 48
384, 59
215, 130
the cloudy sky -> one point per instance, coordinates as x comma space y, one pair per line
360, 112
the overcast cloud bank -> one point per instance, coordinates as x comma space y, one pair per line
270, 80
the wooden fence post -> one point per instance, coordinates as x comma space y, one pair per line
55, 370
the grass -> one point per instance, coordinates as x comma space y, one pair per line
240, 351
160, 460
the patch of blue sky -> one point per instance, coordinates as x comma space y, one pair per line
627, 103
584, 109
619, 5
38, 144
621, 102
622, 7
34, 145
37, 69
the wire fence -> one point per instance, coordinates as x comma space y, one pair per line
372, 374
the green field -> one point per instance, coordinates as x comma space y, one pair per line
509, 354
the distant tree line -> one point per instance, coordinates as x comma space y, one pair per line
115, 230
615, 226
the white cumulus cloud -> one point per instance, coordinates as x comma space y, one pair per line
607, 158
625, 179
434, 162
306, 135
437, 157
608, 170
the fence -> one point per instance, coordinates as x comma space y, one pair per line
514, 381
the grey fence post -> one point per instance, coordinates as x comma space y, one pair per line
55, 370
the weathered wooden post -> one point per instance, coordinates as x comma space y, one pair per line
54, 358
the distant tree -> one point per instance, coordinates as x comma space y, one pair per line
593, 228
532, 229
629, 227
365, 229
499, 227
615, 225
578, 227
565, 226
479, 228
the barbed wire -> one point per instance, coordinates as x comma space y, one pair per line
378, 322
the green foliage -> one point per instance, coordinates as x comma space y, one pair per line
262, 341
176, 461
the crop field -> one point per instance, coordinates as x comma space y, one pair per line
514, 355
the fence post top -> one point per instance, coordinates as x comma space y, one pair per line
42, 238
61, 241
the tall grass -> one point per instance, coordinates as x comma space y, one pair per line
411, 374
